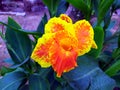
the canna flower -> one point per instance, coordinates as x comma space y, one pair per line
62, 43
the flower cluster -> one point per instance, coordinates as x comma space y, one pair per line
62, 43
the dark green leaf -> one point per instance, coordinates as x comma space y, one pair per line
88, 76
62, 7
20, 64
25, 87
52, 6
18, 44
99, 39
36, 82
112, 70
95, 4
117, 79
116, 5
116, 53
107, 19
19, 30
82, 6
42, 25
5, 70
12, 81
103, 8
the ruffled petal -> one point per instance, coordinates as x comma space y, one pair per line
66, 18
40, 53
64, 53
54, 25
85, 36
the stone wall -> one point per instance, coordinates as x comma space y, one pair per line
21, 5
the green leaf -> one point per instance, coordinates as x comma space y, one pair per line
102, 10
112, 70
95, 4
18, 44
12, 81
82, 6
116, 5
116, 53
62, 7
20, 64
99, 39
52, 6
88, 76
42, 24
5, 70
36, 82
107, 19
18, 30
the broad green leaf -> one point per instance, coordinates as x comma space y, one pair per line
82, 6
62, 7
88, 76
99, 39
19, 30
95, 4
36, 82
42, 24
18, 44
112, 70
52, 6
12, 81
102, 10
5, 70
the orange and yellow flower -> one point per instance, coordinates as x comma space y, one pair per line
62, 43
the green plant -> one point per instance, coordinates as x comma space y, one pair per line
97, 70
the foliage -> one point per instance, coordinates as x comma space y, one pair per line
97, 70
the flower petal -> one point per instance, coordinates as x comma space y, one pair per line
66, 18
85, 35
55, 24
64, 52
40, 53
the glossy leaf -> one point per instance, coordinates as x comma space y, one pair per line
18, 44
36, 82
12, 81
62, 7
82, 6
102, 10
52, 6
88, 76
112, 70
99, 39
41, 25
